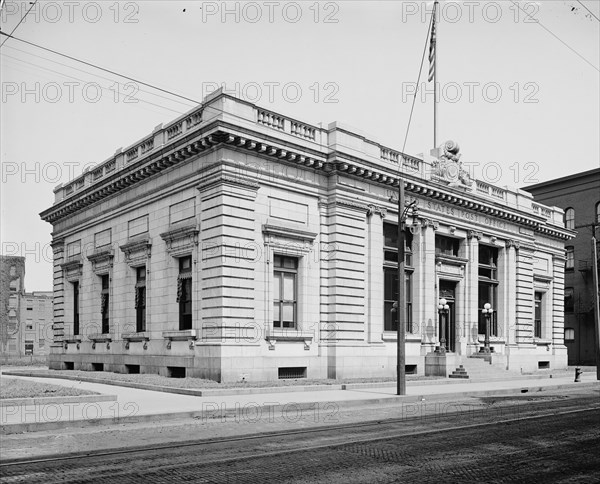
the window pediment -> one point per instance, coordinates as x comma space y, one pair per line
72, 269
137, 251
181, 239
102, 260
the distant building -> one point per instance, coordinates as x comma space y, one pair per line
237, 243
26, 324
579, 196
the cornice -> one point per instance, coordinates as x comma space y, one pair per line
293, 154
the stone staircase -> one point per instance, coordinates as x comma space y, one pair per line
479, 369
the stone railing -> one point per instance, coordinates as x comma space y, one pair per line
287, 125
271, 120
393, 156
541, 210
487, 189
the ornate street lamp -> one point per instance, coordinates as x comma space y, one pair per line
443, 310
487, 313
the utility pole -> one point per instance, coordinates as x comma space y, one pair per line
401, 309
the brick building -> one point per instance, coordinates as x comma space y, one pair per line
26, 325
579, 196
237, 243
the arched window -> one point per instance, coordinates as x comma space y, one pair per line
598, 213
570, 218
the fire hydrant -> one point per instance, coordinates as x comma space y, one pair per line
578, 373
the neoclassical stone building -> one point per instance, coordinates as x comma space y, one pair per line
236, 243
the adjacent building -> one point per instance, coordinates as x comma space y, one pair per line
579, 196
236, 243
26, 325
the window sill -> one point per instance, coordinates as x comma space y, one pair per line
180, 335
289, 334
136, 337
393, 336
542, 341
101, 337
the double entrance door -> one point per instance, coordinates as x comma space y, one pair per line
446, 322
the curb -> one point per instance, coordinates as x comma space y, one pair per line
328, 408
216, 392
7, 402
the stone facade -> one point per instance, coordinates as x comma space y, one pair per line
579, 196
235, 243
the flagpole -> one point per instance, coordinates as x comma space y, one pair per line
435, 74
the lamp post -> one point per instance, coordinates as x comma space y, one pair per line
487, 313
443, 310
400, 304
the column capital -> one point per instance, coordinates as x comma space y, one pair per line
513, 243
474, 234
427, 222
374, 209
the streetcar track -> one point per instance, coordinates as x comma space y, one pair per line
312, 430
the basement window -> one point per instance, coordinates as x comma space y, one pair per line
290, 373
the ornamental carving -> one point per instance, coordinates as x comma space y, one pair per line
513, 244
181, 239
102, 261
448, 167
137, 251
474, 234
427, 222
374, 209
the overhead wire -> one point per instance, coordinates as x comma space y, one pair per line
16, 26
188, 106
591, 13
516, 4
117, 90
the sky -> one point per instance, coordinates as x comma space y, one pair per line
518, 82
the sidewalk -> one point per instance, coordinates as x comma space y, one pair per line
136, 405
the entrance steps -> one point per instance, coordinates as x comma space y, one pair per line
480, 369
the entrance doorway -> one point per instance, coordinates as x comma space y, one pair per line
447, 290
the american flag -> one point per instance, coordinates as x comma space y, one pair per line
432, 49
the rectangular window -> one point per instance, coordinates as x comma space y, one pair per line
390, 290
105, 304
569, 335
537, 319
75, 308
488, 294
390, 277
570, 263
488, 286
184, 292
569, 300
140, 299
285, 281
390, 244
447, 246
